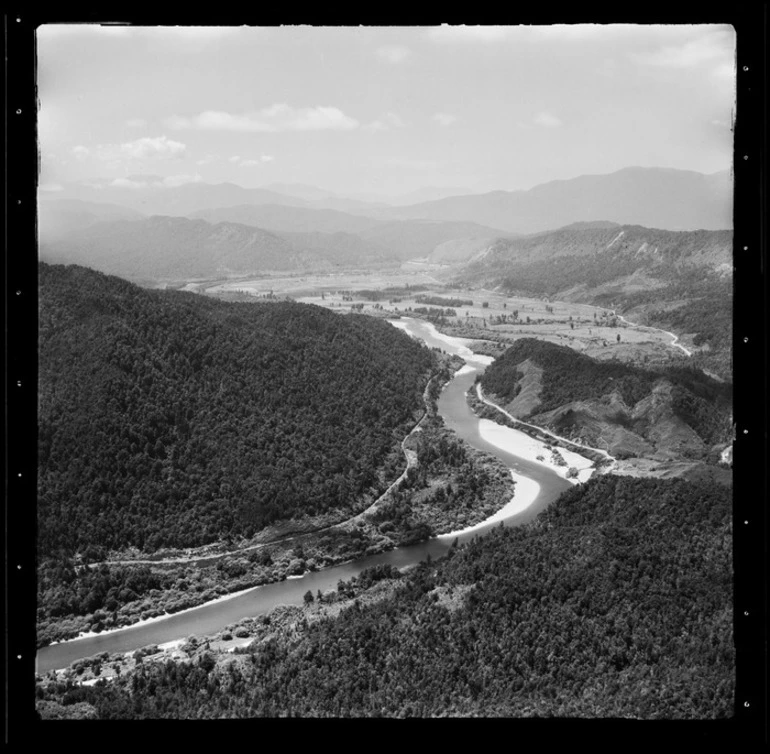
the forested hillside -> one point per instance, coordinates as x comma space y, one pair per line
170, 419
627, 406
615, 602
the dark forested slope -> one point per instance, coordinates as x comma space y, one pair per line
615, 602
170, 419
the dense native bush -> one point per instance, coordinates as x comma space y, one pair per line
171, 419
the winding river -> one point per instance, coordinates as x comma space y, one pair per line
214, 616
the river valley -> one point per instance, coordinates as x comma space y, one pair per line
537, 486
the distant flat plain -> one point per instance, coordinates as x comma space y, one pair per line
580, 326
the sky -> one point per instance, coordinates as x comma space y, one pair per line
381, 110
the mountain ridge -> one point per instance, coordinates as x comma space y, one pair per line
179, 248
654, 197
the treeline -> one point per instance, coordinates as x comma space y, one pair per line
432, 313
568, 376
385, 294
172, 420
615, 602
441, 301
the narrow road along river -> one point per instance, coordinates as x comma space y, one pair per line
212, 617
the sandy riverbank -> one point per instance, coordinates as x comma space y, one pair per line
522, 445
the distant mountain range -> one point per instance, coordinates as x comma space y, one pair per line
150, 196
277, 217
653, 197
92, 223
162, 248
315, 194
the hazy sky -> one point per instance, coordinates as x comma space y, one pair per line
383, 110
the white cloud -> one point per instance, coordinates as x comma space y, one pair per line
387, 121
146, 148
208, 159
136, 123
51, 187
393, 53
278, 117
444, 119
547, 120
235, 158
318, 118
156, 147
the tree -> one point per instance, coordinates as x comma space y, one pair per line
308, 597
618, 337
